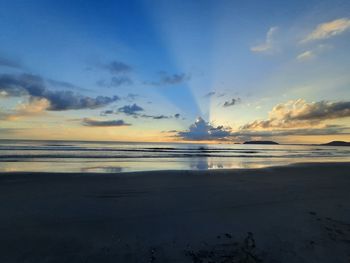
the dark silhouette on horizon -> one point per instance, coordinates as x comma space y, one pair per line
337, 143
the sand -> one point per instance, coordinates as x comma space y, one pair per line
297, 213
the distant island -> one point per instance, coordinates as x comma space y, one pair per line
337, 143
260, 142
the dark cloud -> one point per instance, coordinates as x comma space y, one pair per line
210, 94
160, 117
170, 79
67, 100
299, 113
322, 110
231, 102
117, 67
34, 86
108, 123
133, 109
106, 112
202, 130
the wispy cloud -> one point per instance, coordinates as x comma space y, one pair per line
269, 45
231, 102
210, 94
131, 97
156, 117
328, 30
103, 123
115, 82
160, 117
117, 67
170, 79
9, 62
313, 53
64, 84
306, 55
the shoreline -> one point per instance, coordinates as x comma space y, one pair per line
293, 213
204, 171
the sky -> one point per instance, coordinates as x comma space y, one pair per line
175, 71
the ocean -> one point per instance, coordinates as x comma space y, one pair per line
111, 157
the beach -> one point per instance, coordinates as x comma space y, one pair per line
292, 213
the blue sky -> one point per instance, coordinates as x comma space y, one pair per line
230, 63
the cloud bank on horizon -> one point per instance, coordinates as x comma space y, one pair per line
295, 117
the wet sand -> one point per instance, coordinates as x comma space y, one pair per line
297, 213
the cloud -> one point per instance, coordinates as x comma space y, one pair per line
244, 135
299, 113
134, 111
115, 82
108, 123
232, 102
313, 53
117, 67
202, 130
213, 93
34, 87
159, 117
210, 94
106, 112
30, 108
130, 109
155, 117
10, 63
174, 79
34, 106
170, 131
170, 79
64, 84
132, 97
269, 44
328, 30
306, 55
120, 81
274, 127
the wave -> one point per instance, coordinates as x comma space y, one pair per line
6, 158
